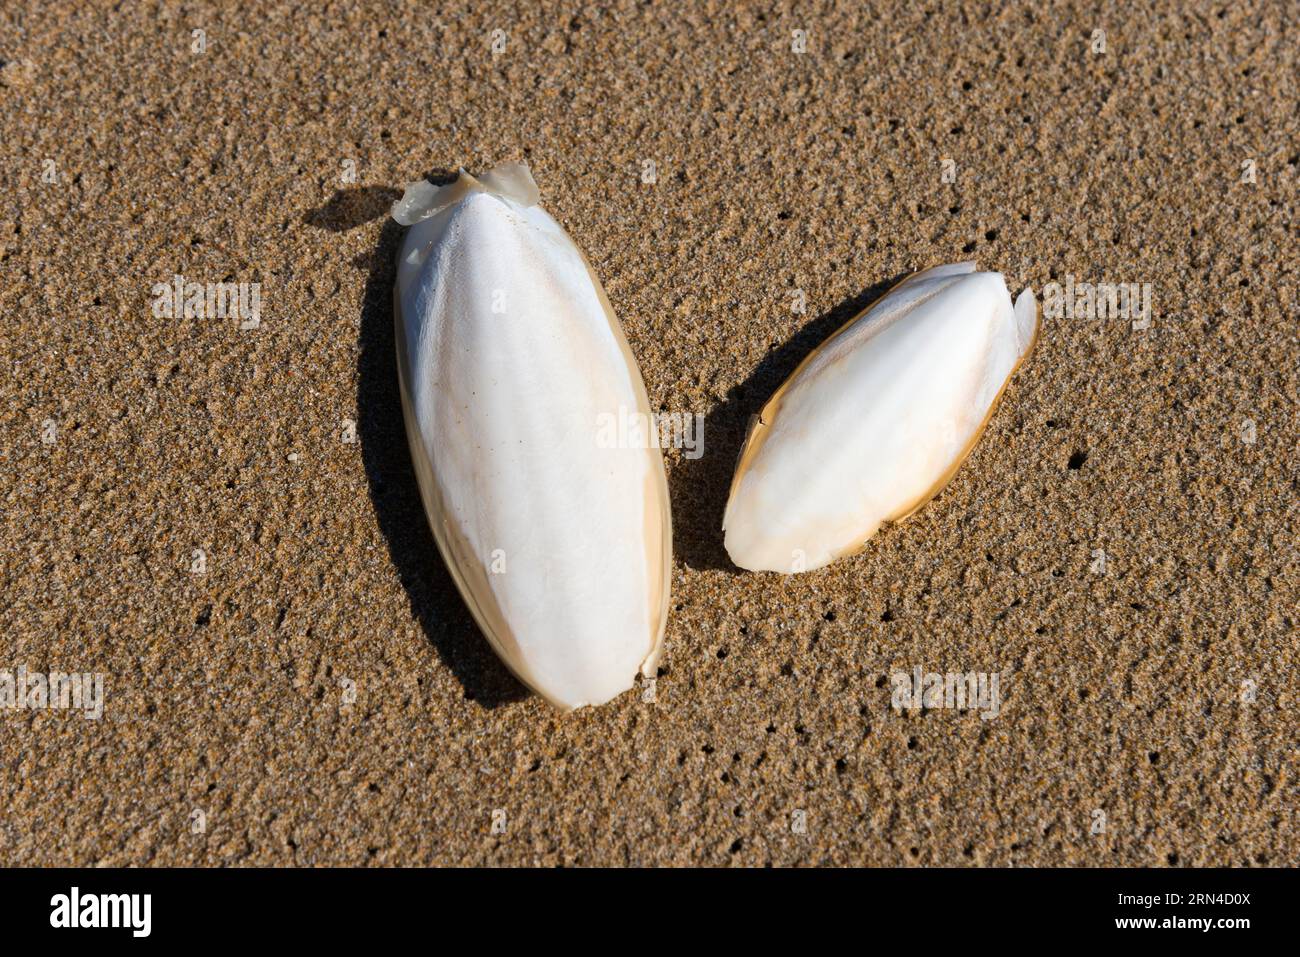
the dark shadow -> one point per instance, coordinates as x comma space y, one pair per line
350, 208
699, 487
435, 601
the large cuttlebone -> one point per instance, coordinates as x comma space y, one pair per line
510, 358
876, 421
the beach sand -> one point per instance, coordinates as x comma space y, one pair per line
289, 676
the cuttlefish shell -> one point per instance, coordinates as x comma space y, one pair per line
875, 422
509, 358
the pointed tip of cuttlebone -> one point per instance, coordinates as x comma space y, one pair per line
421, 199
1026, 310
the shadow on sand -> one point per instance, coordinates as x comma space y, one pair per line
435, 602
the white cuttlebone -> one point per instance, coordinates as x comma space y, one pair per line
509, 360
875, 422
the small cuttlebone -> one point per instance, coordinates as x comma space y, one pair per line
877, 419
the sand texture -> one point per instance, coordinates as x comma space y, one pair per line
289, 674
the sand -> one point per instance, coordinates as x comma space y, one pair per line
1120, 549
